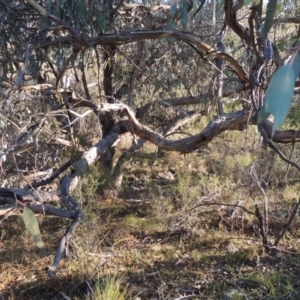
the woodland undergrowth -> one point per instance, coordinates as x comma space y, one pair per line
182, 227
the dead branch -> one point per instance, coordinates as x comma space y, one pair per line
237, 120
54, 175
189, 38
288, 224
40, 209
231, 20
262, 230
222, 204
16, 199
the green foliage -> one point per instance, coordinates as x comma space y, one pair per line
280, 92
184, 13
90, 183
293, 116
172, 14
32, 225
89, 19
271, 9
247, 2
109, 288
183, 10
245, 160
144, 224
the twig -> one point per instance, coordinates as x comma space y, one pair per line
288, 166
8, 213
117, 7
65, 296
83, 77
273, 147
51, 178
63, 71
266, 215
64, 243
223, 204
185, 297
40, 209
262, 229
114, 29
128, 58
280, 236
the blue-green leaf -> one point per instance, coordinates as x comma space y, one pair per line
49, 6
173, 10
271, 9
32, 225
172, 13
296, 65
280, 92
263, 114
183, 13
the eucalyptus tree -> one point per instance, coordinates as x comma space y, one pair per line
76, 75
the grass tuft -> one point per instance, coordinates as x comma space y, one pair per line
109, 288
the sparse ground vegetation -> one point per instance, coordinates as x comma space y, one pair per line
161, 238
149, 151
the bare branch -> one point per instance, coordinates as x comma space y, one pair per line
222, 204
288, 224
54, 175
130, 37
40, 209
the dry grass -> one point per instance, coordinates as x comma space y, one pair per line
155, 242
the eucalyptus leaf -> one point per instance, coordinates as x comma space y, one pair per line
58, 11
183, 13
172, 13
32, 225
280, 92
271, 9
263, 114
173, 10
48, 6
296, 65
